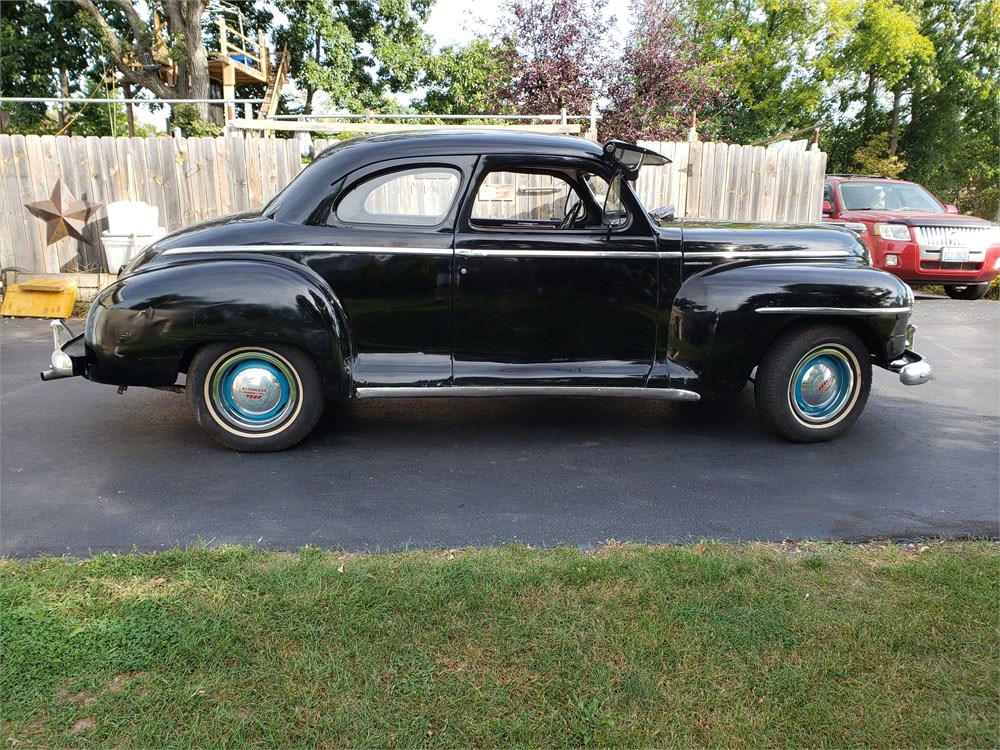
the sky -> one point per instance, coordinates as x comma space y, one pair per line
456, 21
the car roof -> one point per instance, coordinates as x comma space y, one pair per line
471, 141
349, 155
863, 178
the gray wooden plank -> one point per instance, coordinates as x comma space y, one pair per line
16, 249
26, 151
172, 213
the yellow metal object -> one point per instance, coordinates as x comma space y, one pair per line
40, 298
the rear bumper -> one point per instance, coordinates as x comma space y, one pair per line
68, 356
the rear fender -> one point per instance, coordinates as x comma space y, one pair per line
723, 319
145, 328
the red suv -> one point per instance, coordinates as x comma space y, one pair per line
913, 235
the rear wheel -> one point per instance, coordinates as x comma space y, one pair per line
255, 398
970, 291
813, 382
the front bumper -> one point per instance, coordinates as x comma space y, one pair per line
909, 265
68, 357
912, 368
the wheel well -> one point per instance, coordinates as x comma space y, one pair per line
192, 351
855, 325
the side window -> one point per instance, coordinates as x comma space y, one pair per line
534, 198
828, 192
420, 196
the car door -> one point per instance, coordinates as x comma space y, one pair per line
543, 297
389, 230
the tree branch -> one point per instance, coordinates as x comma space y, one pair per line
118, 49
112, 39
139, 28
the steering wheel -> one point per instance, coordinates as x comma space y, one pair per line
571, 216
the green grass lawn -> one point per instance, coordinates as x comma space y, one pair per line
701, 645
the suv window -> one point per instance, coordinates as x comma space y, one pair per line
828, 193
885, 195
420, 196
541, 200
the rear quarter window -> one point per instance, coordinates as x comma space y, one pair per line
418, 196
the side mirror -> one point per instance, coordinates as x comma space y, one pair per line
950, 209
667, 213
827, 208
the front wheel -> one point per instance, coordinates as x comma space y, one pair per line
812, 383
970, 291
255, 398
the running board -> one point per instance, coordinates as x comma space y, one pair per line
488, 391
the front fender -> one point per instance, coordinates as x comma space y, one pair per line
144, 328
723, 319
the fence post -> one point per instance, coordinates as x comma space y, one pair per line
592, 132
693, 132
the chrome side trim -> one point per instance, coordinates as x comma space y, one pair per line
330, 249
833, 310
754, 254
380, 250
486, 391
610, 254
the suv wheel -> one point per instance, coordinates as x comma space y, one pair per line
970, 291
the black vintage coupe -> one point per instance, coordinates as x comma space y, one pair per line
491, 264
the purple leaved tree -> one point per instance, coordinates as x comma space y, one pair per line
557, 53
660, 81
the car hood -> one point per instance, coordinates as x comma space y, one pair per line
914, 218
764, 239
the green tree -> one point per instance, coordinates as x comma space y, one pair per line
952, 140
876, 48
465, 79
355, 52
767, 50
47, 48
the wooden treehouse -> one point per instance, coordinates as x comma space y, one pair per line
242, 60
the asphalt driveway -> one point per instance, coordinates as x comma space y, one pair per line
85, 470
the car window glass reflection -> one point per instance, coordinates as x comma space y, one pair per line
411, 197
535, 199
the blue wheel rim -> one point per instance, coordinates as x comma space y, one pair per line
253, 390
823, 385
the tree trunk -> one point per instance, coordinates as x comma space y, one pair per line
193, 81
897, 95
868, 117
310, 90
63, 92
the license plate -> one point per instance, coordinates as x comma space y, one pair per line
954, 254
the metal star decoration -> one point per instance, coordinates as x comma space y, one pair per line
64, 215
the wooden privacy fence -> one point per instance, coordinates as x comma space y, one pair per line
188, 179
736, 183
196, 179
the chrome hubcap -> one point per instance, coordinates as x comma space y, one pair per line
253, 390
822, 385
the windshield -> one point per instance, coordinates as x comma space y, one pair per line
890, 196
